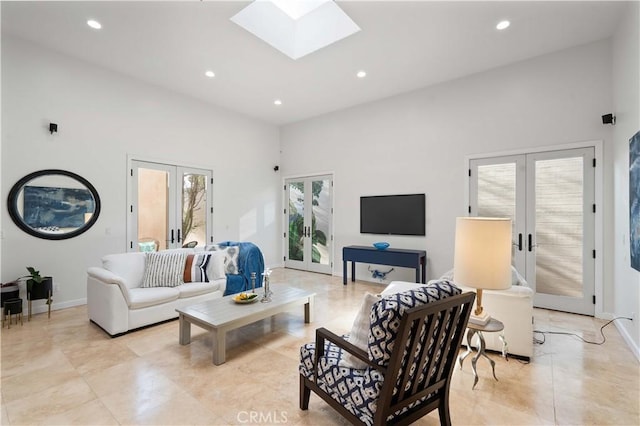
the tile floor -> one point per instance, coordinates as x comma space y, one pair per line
66, 371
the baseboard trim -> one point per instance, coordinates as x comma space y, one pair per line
41, 305
628, 340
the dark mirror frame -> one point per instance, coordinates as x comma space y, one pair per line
12, 204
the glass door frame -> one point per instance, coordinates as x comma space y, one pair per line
133, 234
519, 226
558, 301
175, 199
598, 147
307, 263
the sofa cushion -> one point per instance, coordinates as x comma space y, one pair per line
516, 278
128, 266
400, 286
196, 268
164, 269
359, 334
355, 389
231, 254
144, 297
216, 266
386, 315
204, 266
195, 289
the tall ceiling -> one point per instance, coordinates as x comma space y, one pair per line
402, 46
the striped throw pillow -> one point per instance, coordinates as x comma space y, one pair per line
164, 269
196, 268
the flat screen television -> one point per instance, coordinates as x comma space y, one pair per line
393, 214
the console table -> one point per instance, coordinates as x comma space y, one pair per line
416, 259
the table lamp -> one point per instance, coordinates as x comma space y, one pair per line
482, 258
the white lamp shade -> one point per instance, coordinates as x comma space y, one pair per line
483, 253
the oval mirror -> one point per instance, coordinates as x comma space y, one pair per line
53, 204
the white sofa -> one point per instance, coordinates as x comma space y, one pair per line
117, 303
513, 306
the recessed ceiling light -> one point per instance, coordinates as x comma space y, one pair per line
210, 74
277, 102
361, 74
503, 25
94, 24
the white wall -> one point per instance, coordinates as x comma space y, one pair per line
1, 216
626, 96
102, 117
417, 142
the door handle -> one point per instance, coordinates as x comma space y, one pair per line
531, 245
520, 242
178, 235
172, 237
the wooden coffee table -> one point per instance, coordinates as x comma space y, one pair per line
223, 314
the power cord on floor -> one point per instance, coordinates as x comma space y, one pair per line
538, 341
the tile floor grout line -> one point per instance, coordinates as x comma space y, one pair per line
553, 392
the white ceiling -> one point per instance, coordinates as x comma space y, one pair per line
403, 46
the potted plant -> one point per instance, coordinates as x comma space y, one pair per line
38, 287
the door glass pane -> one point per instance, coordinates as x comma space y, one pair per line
194, 209
320, 216
497, 192
296, 221
153, 205
559, 226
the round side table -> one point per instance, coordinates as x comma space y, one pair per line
493, 326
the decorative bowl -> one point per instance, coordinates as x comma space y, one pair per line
381, 245
244, 298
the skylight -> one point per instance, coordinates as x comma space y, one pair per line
296, 27
297, 8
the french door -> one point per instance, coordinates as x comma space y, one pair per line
170, 206
550, 198
309, 217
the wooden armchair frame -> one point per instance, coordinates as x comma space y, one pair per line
444, 321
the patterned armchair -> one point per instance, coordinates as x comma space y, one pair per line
405, 371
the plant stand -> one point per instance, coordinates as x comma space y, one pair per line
12, 307
43, 290
9, 291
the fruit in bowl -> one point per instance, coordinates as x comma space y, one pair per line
246, 296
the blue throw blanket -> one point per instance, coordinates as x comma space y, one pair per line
249, 260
